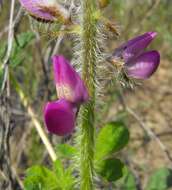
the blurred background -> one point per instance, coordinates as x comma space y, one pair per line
146, 109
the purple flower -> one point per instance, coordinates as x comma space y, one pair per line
60, 115
137, 63
69, 85
47, 10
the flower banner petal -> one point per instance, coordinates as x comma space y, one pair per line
134, 47
69, 85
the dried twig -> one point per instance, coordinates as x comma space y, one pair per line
15, 22
35, 121
148, 131
9, 47
3, 175
10, 35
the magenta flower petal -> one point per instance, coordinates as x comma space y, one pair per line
134, 47
34, 8
59, 117
140, 38
144, 65
69, 85
47, 10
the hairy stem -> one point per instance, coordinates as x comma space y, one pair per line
88, 60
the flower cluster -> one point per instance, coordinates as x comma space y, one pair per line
60, 115
137, 63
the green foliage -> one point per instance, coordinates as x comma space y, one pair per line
127, 182
20, 42
65, 150
160, 180
17, 54
64, 176
35, 148
42, 178
111, 138
111, 169
24, 39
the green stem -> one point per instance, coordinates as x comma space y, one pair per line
87, 112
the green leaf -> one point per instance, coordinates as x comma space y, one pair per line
23, 39
17, 53
160, 180
128, 181
111, 169
58, 168
111, 138
64, 176
68, 181
40, 178
65, 150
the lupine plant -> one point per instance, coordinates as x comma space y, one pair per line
91, 163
